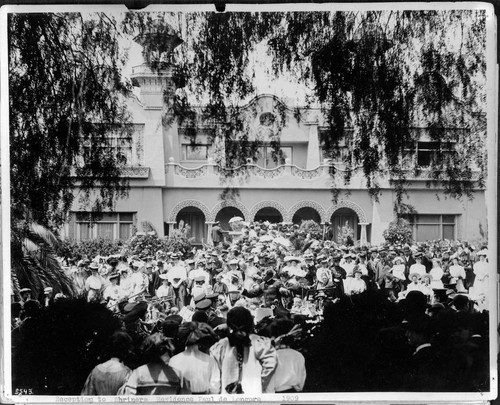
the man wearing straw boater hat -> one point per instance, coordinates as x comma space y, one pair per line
25, 294
48, 299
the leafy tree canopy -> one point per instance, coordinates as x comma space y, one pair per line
378, 76
65, 94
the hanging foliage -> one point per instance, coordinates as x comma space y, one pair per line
65, 89
379, 77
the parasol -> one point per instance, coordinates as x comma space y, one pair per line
280, 240
235, 219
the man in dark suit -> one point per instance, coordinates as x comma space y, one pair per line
408, 259
379, 268
424, 368
217, 235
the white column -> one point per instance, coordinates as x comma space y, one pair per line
209, 233
363, 239
170, 228
313, 152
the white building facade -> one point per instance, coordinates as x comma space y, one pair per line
173, 178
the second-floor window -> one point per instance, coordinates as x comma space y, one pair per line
195, 145
121, 147
125, 145
194, 152
428, 152
339, 153
269, 158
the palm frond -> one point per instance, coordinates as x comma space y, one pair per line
30, 247
34, 263
44, 234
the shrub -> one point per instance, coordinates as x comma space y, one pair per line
399, 231
312, 227
148, 243
90, 248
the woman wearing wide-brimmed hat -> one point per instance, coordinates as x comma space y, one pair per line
156, 377
481, 272
198, 369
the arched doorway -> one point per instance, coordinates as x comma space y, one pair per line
225, 214
343, 217
195, 218
269, 214
306, 213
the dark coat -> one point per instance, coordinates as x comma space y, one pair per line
425, 371
408, 263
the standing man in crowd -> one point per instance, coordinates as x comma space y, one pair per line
177, 276
217, 235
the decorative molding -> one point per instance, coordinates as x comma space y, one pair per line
267, 173
347, 204
138, 144
135, 172
230, 203
427, 175
188, 203
308, 204
307, 174
271, 204
230, 172
190, 173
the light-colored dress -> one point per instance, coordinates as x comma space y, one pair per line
348, 267
457, 274
436, 274
259, 362
290, 372
482, 277
156, 378
417, 268
398, 271
354, 286
106, 378
199, 370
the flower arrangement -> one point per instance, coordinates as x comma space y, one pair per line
398, 232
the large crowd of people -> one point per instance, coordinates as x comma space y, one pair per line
233, 317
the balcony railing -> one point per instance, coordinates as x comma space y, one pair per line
282, 171
248, 170
131, 172
135, 172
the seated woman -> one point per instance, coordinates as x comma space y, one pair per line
415, 284
355, 285
426, 286
155, 377
398, 272
436, 274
